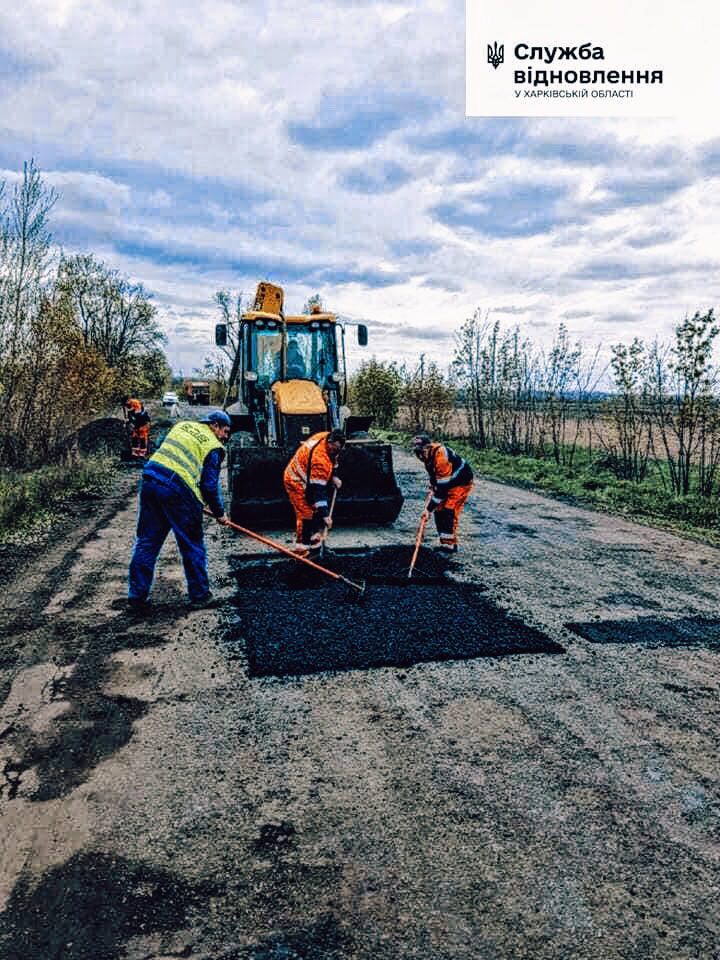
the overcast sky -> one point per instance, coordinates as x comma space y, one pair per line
323, 146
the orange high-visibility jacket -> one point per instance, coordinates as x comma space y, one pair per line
137, 415
311, 468
446, 470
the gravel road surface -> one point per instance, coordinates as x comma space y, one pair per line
161, 797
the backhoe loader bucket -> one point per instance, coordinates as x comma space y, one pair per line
369, 492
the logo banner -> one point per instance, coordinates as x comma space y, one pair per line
615, 59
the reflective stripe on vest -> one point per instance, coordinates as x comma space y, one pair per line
295, 469
452, 458
184, 450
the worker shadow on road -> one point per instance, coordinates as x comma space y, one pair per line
93, 903
93, 724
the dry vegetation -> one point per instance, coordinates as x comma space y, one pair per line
74, 334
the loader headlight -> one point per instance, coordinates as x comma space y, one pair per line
336, 377
250, 375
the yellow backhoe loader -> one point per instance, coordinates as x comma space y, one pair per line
290, 379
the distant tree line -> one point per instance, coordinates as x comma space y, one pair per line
75, 335
414, 397
661, 415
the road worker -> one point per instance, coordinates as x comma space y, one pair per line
451, 481
138, 420
179, 478
308, 477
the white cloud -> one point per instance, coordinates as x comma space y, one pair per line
202, 146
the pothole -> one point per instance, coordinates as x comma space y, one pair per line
652, 631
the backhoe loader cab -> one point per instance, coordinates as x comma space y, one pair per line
292, 383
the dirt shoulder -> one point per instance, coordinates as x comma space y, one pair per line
163, 799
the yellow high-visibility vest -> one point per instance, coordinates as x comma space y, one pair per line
184, 450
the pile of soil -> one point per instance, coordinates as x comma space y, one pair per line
106, 435
109, 435
294, 622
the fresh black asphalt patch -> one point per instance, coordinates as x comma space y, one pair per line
296, 622
652, 631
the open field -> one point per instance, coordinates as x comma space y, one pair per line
596, 433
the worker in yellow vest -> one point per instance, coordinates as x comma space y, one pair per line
181, 477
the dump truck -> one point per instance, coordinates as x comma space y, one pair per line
196, 392
291, 382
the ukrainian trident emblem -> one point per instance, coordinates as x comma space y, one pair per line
496, 54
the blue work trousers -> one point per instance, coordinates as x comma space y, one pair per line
165, 507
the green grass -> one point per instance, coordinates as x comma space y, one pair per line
588, 484
30, 501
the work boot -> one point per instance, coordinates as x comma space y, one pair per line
316, 542
137, 605
208, 602
300, 549
446, 549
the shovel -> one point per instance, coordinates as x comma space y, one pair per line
420, 534
360, 587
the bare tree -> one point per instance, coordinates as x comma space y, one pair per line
498, 375
565, 386
515, 396
428, 398
624, 431
231, 310
25, 261
115, 315
471, 370
61, 330
682, 380
216, 369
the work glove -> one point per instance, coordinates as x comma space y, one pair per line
337, 482
328, 522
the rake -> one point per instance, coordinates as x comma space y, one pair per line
360, 587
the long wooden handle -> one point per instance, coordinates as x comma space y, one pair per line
326, 531
290, 553
420, 534
278, 546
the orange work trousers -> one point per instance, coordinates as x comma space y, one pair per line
139, 437
303, 511
448, 513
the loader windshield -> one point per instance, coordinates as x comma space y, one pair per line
265, 346
311, 352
